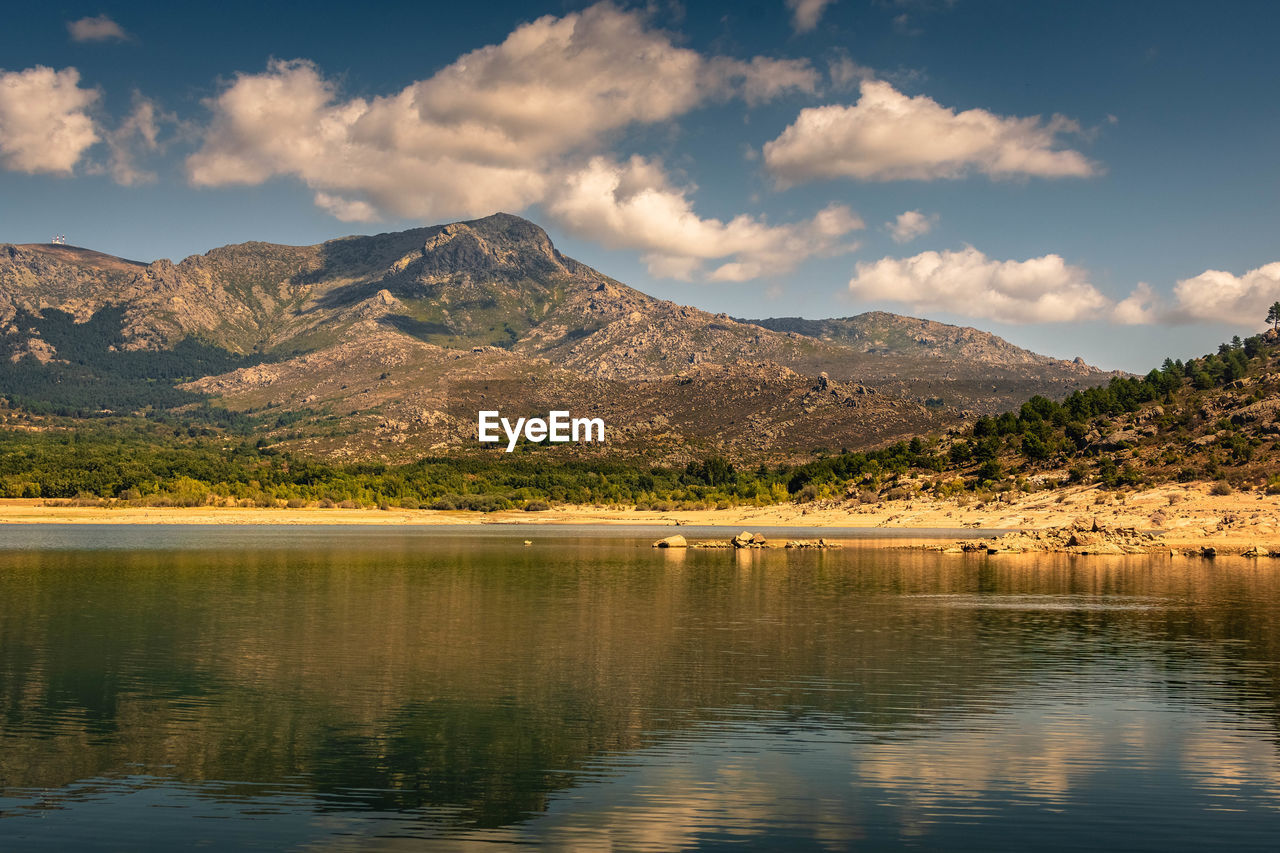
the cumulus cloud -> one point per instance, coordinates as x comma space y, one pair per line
634, 205
1138, 308
1219, 296
45, 125
805, 14
967, 282
345, 209
137, 134
910, 225
99, 28
491, 131
889, 136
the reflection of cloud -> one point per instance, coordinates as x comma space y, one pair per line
1017, 753
723, 785
673, 797
1231, 762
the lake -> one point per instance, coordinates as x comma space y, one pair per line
437, 688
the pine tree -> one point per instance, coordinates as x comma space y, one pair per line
1273, 315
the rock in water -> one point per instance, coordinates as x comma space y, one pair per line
676, 541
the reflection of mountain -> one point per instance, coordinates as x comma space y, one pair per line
420, 671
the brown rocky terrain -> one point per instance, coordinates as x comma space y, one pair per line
933, 362
386, 346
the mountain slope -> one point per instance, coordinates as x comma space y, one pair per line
957, 366
881, 333
380, 347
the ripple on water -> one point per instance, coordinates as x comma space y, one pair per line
1043, 602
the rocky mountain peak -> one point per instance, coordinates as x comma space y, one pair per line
501, 246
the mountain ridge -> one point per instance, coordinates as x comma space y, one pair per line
320, 330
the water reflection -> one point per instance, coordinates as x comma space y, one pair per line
348, 690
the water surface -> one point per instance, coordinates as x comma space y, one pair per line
407, 689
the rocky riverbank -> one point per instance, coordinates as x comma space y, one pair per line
1091, 539
745, 539
1184, 517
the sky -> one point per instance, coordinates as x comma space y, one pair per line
1091, 179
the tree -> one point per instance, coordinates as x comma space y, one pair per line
1273, 315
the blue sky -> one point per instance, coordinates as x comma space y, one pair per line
1093, 179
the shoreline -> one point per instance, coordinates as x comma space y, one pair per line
1181, 515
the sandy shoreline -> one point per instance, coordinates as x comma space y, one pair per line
1185, 515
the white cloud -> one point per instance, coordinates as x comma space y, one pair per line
844, 73
100, 28
138, 132
44, 121
760, 80
490, 132
634, 205
887, 136
1138, 308
805, 14
1221, 297
346, 209
910, 225
1038, 290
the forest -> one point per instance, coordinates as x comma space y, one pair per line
202, 455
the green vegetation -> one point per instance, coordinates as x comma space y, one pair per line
1182, 421
94, 375
138, 462
1138, 430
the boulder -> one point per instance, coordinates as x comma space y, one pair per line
676, 541
744, 540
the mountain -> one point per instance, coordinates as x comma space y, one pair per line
386, 346
919, 359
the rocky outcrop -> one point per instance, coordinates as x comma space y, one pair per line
1080, 538
744, 541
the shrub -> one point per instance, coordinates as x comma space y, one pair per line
991, 470
1222, 487
537, 506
